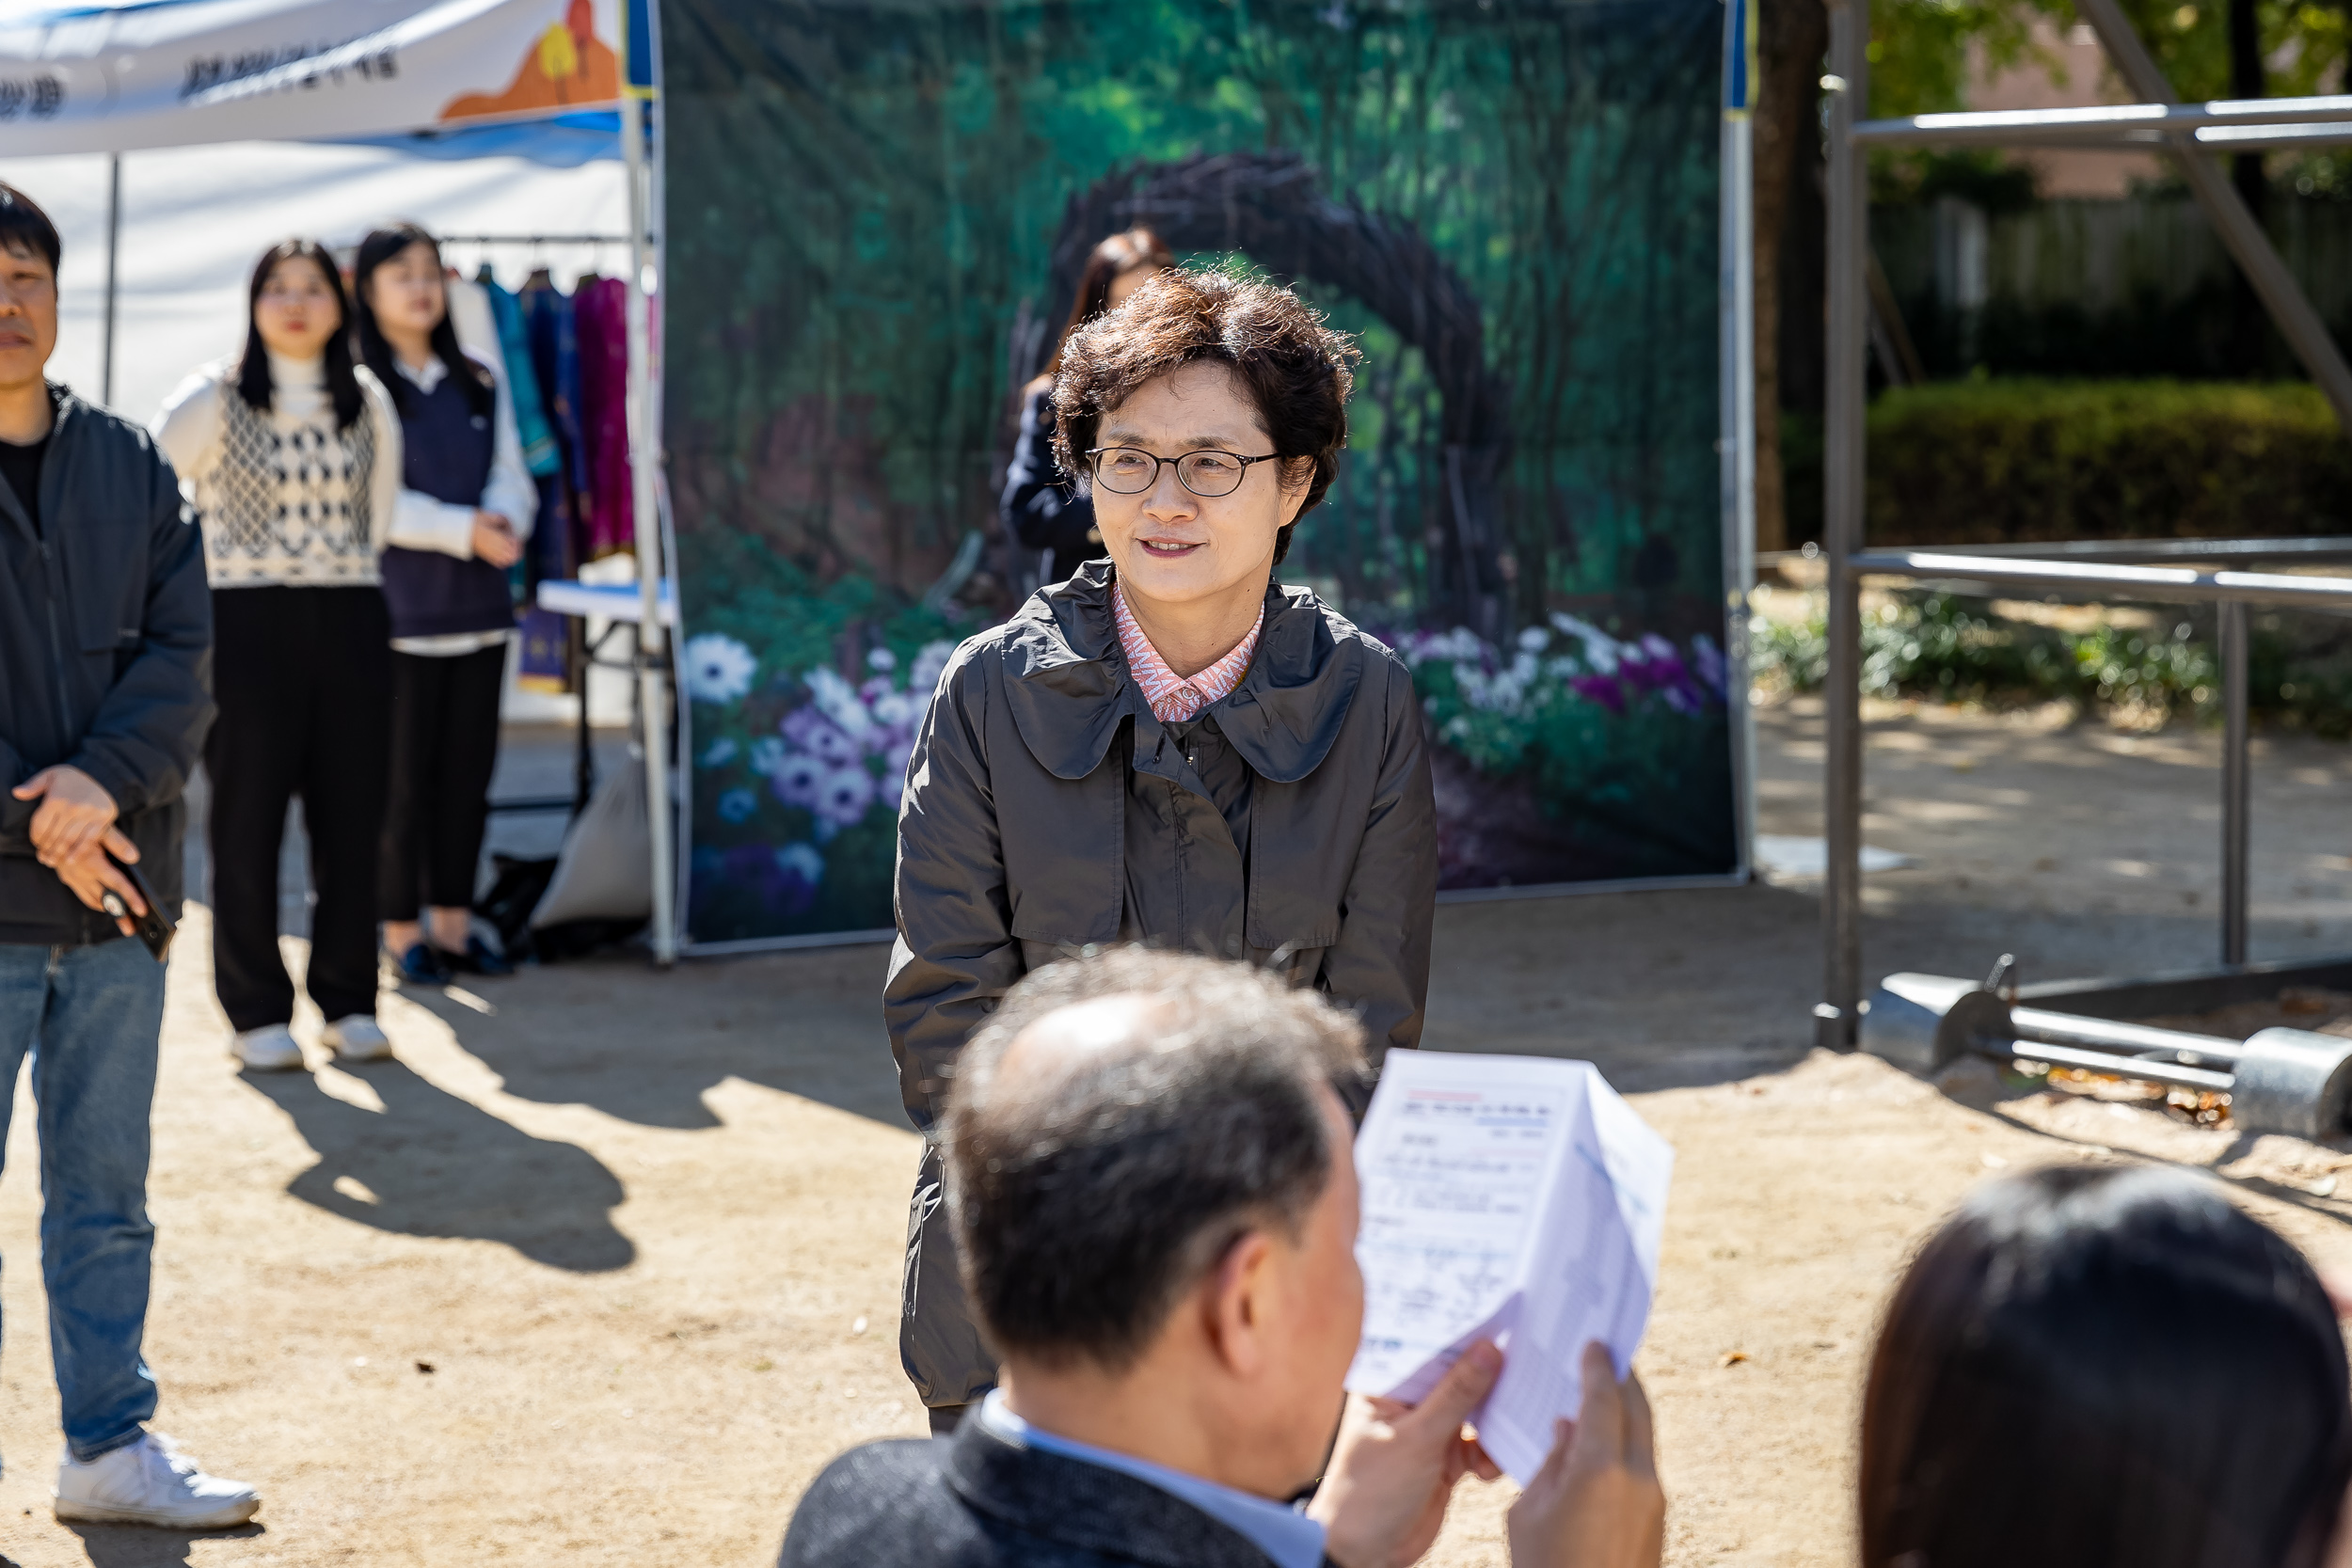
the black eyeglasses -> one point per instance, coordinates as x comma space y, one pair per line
1131, 471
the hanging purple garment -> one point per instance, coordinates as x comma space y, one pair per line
601, 309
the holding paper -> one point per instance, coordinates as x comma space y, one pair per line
1510, 1198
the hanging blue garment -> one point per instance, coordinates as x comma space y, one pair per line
522, 381
555, 358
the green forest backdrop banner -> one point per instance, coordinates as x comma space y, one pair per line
876, 214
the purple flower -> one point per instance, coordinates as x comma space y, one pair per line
766, 874
1603, 689
1710, 659
843, 794
811, 730
799, 780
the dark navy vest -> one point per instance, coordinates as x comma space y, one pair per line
446, 454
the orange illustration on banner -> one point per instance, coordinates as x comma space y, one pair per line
567, 68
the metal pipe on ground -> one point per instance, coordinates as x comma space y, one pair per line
2286, 1080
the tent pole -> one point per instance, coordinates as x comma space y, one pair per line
643, 447
114, 237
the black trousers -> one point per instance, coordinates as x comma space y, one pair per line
445, 742
304, 678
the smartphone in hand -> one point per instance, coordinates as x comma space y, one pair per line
155, 928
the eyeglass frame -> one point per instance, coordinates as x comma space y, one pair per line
1094, 467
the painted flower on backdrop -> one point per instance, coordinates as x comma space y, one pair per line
717, 669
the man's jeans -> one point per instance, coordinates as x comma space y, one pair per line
91, 1017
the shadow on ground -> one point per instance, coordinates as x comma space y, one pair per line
143, 1547
432, 1164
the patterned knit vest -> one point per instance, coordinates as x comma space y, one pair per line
289, 509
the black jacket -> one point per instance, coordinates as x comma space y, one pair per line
106, 658
975, 1501
1041, 510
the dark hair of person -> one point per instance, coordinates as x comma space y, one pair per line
24, 226
1114, 259
1088, 1201
2106, 1369
1294, 370
342, 383
380, 246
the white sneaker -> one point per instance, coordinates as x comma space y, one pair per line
358, 1039
150, 1483
268, 1049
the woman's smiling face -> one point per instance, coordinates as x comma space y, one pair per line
1169, 544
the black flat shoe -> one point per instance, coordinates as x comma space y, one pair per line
478, 957
421, 965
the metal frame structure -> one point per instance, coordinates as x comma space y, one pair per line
2180, 571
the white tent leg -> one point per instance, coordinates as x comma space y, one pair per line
643, 447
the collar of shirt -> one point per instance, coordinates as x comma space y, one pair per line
1176, 698
1287, 1536
423, 380
297, 386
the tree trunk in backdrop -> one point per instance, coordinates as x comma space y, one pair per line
1793, 39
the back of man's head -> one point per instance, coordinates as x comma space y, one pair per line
1116, 1125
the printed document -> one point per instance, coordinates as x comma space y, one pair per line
1516, 1198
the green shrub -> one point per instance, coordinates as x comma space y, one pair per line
2011, 460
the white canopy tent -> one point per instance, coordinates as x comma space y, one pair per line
82, 83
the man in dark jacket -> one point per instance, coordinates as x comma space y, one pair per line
106, 652
1154, 1190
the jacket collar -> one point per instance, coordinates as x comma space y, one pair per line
1089, 1507
1070, 687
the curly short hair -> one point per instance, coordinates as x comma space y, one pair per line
1295, 370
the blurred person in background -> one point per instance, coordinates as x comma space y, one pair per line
1043, 508
472, 500
1169, 748
2161, 1373
105, 655
290, 452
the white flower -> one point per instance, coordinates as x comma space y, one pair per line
799, 780
930, 660
717, 669
843, 794
720, 752
802, 861
1601, 651
837, 700
768, 754
1534, 640
881, 659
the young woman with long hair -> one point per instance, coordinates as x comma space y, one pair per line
1042, 507
464, 483
291, 454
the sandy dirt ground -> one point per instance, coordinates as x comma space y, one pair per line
604, 1267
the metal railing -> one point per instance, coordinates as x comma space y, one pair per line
2136, 569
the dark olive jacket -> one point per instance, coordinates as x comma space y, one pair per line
1046, 810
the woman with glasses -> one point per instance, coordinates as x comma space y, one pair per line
290, 453
1043, 509
1169, 748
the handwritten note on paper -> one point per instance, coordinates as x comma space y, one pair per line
1510, 1198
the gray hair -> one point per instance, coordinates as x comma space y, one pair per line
1086, 1202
